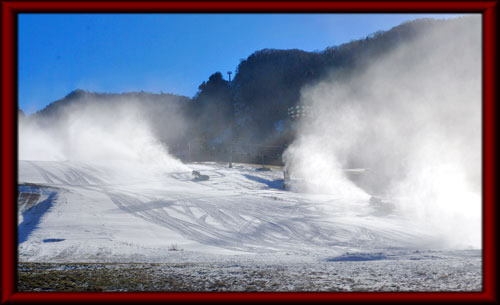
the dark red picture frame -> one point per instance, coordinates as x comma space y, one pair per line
9, 12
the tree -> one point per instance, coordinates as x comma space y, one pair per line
212, 111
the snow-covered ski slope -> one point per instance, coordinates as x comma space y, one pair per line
119, 212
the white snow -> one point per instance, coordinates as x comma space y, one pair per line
129, 212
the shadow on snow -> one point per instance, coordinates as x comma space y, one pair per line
32, 216
356, 257
275, 184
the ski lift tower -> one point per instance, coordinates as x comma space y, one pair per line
231, 144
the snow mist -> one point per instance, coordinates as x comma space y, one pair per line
412, 118
117, 135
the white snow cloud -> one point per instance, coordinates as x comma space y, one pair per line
413, 118
96, 132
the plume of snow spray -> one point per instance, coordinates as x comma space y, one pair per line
412, 118
97, 133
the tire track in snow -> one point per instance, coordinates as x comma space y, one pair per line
228, 228
231, 211
190, 230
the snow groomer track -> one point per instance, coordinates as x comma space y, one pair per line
71, 212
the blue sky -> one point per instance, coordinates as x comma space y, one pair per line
170, 53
